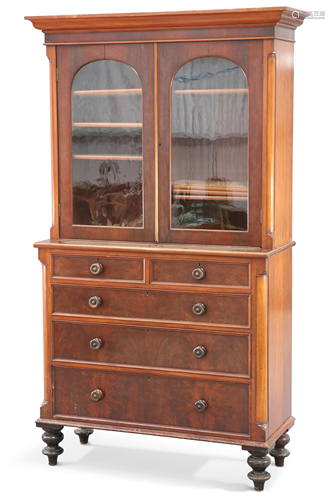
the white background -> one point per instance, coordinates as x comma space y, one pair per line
117, 465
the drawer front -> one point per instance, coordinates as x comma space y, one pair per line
197, 273
165, 306
107, 268
153, 400
151, 347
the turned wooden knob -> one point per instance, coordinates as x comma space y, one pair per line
95, 302
96, 268
199, 273
200, 405
96, 344
97, 395
199, 352
199, 309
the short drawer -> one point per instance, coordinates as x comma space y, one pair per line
101, 268
165, 306
201, 273
153, 400
152, 347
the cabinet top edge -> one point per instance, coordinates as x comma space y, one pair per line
224, 251
281, 16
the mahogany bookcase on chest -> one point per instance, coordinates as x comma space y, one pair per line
167, 276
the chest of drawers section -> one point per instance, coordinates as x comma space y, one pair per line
163, 344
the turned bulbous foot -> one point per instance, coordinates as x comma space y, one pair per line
83, 434
279, 452
52, 436
258, 461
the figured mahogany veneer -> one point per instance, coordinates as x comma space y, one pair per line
153, 400
151, 327
112, 269
152, 305
229, 275
151, 347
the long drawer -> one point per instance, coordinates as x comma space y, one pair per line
152, 347
222, 407
166, 306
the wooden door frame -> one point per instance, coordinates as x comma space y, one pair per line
248, 55
69, 60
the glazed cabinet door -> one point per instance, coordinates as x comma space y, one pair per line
210, 142
106, 141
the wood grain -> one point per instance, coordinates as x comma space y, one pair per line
281, 16
51, 54
165, 431
170, 306
267, 239
248, 55
177, 35
113, 269
270, 154
139, 249
107, 91
70, 60
151, 347
109, 124
145, 365
154, 400
280, 338
262, 349
46, 410
284, 142
231, 275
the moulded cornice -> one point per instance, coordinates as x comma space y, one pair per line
280, 16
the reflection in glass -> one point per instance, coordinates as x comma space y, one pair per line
107, 145
209, 146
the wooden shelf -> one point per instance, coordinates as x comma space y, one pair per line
107, 91
108, 124
193, 185
139, 91
211, 91
209, 197
106, 157
210, 190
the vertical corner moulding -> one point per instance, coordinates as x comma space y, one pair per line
262, 348
270, 151
156, 138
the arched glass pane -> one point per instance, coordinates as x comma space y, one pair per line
107, 145
209, 146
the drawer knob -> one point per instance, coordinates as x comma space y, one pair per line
199, 352
199, 309
97, 395
198, 273
200, 405
96, 268
96, 344
95, 302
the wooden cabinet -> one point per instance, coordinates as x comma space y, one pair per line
167, 276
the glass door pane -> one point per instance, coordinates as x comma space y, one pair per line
107, 145
209, 146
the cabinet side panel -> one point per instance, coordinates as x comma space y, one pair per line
283, 143
280, 338
51, 54
46, 410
